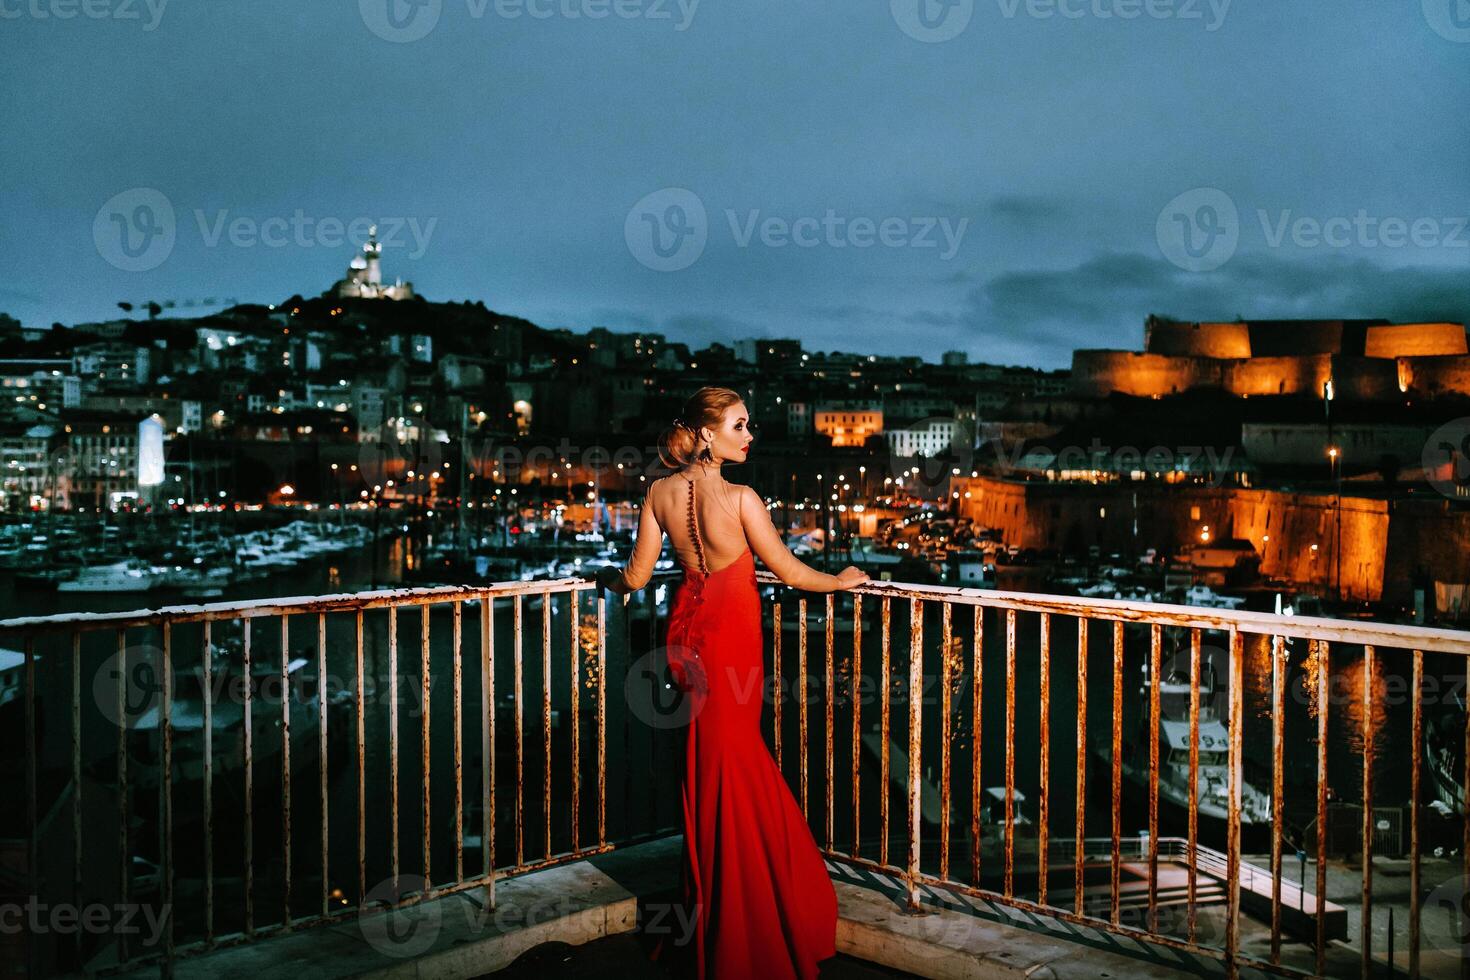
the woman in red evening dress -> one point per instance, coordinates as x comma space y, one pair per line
751, 874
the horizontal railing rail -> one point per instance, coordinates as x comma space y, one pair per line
257, 608
1399, 635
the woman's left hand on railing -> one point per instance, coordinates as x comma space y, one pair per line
606, 577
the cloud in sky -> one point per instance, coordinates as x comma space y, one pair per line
1054, 141
1115, 292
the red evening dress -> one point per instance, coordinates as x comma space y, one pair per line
751, 874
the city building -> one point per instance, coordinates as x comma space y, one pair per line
112, 457
42, 384
848, 425
930, 438
177, 415
26, 481
111, 364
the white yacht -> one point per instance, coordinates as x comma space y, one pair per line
119, 576
1213, 783
1203, 595
12, 675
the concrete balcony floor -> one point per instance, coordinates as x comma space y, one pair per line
596, 918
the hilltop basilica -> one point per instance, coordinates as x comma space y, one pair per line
365, 276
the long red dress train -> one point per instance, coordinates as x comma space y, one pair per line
763, 905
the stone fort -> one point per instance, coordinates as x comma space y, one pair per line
1365, 360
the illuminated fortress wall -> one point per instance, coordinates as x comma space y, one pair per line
1098, 373
1431, 376
1281, 375
1282, 526
1366, 360
1175, 339
1415, 340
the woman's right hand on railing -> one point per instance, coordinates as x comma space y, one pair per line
850, 577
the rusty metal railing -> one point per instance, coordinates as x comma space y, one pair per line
926, 861
1325, 638
160, 714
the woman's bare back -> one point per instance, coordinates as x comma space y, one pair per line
729, 518
721, 533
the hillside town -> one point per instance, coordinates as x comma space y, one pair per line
1243, 463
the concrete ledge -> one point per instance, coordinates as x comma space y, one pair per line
455, 937
450, 937
956, 943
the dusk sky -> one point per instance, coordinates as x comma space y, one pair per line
1008, 178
